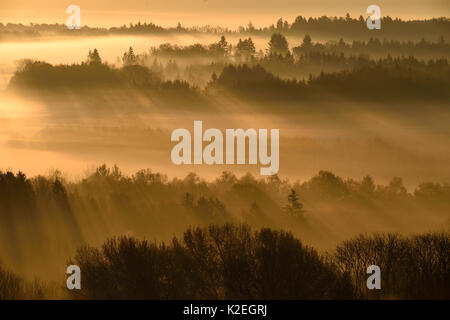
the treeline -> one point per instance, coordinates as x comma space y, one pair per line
335, 27
180, 69
411, 267
195, 63
398, 78
386, 79
353, 27
245, 48
234, 262
14, 287
217, 262
375, 47
221, 49
94, 74
35, 212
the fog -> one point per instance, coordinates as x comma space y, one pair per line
357, 160
350, 144
60, 50
76, 131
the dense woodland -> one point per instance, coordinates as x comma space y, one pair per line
143, 235
203, 263
331, 27
244, 74
234, 262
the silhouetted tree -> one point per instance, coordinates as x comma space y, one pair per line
245, 49
129, 58
294, 208
278, 45
94, 57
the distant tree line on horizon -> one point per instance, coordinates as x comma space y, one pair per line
347, 27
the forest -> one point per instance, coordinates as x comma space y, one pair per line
234, 262
399, 78
222, 258
86, 176
331, 27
